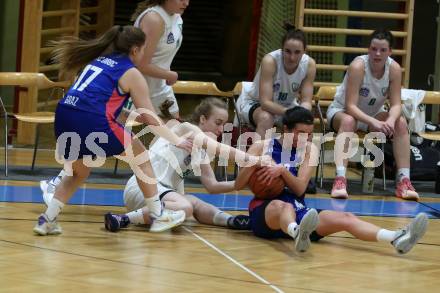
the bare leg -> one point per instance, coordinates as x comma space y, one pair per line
264, 121
203, 211
332, 222
346, 125
69, 184
279, 215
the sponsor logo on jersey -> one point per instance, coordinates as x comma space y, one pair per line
364, 92
170, 38
295, 86
282, 97
187, 160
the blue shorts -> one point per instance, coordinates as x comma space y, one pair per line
83, 124
260, 228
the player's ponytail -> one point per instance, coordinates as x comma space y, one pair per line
293, 33
73, 54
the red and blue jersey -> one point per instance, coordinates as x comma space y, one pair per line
92, 105
96, 88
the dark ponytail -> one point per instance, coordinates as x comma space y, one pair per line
293, 33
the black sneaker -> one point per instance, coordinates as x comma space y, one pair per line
239, 222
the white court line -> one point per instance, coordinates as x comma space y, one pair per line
262, 280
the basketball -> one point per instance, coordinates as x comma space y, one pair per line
263, 190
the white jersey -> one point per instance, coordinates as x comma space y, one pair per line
171, 165
372, 93
285, 86
167, 47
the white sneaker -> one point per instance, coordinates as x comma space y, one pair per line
167, 220
308, 224
410, 235
45, 227
48, 190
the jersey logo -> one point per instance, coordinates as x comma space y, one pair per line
299, 206
385, 91
282, 96
372, 102
170, 38
187, 160
364, 92
276, 87
295, 86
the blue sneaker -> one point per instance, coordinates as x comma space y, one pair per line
114, 222
45, 227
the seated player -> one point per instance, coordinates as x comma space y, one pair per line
287, 214
284, 79
358, 105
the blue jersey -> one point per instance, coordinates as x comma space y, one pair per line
96, 88
288, 160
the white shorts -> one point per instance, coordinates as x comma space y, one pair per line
333, 109
157, 102
246, 109
133, 196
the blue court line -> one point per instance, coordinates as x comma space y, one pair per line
111, 197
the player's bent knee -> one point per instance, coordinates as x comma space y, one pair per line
347, 219
265, 118
278, 207
348, 123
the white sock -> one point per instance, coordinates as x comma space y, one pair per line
154, 205
53, 209
292, 229
57, 179
384, 235
402, 173
340, 171
221, 219
136, 217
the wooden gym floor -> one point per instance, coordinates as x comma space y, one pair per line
199, 258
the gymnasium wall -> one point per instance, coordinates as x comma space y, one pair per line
9, 10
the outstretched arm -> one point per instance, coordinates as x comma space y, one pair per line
210, 182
